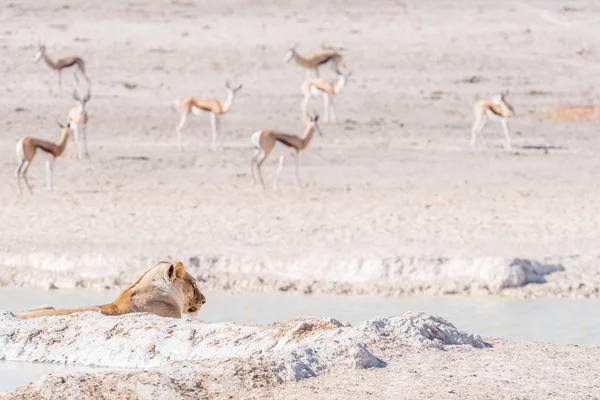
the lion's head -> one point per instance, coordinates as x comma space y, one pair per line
193, 298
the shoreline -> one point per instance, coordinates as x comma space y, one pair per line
288, 359
393, 276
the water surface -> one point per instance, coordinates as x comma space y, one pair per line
574, 321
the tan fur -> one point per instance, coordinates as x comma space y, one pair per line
60, 64
209, 105
213, 106
27, 149
165, 290
265, 141
319, 84
74, 116
78, 118
328, 89
497, 107
314, 61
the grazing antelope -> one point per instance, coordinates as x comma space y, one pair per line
313, 62
73, 64
27, 148
78, 118
197, 105
266, 141
319, 87
495, 108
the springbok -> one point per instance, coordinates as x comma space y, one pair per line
78, 118
314, 61
72, 63
495, 108
319, 87
27, 148
198, 105
266, 141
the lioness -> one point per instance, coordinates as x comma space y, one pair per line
166, 290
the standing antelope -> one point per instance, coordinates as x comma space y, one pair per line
313, 62
77, 119
197, 105
495, 108
320, 87
28, 146
73, 64
266, 141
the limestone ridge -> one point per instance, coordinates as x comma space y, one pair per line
289, 350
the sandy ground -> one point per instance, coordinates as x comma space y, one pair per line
501, 372
407, 357
395, 178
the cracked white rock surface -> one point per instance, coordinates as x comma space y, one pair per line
302, 347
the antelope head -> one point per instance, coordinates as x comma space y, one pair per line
312, 120
230, 89
506, 108
64, 129
291, 53
342, 79
82, 103
40, 53
342, 74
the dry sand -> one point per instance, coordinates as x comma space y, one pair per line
411, 356
396, 178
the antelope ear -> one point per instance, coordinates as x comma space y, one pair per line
176, 271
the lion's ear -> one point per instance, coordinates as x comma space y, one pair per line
176, 271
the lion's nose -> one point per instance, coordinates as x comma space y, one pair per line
203, 301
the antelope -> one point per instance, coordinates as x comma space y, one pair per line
197, 105
74, 64
266, 141
320, 87
495, 108
77, 119
27, 148
313, 62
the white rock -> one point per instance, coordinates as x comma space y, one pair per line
420, 329
297, 348
431, 274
